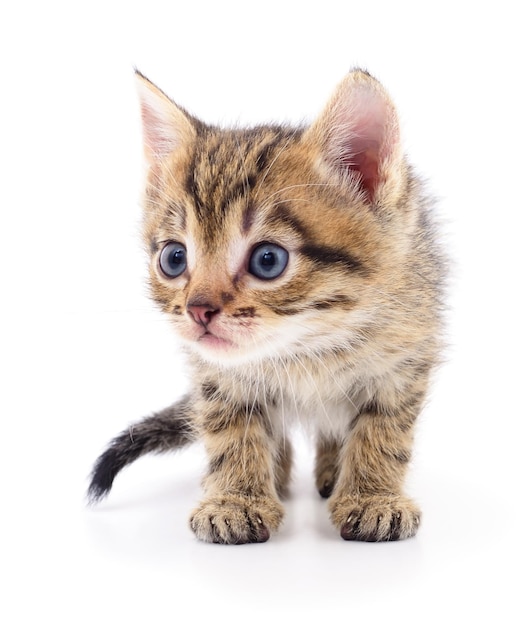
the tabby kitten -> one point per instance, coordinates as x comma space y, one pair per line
301, 271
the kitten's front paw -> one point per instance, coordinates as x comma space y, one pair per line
236, 519
375, 518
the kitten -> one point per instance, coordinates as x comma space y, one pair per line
301, 270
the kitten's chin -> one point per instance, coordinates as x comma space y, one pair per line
223, 352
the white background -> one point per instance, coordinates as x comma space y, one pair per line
83, 353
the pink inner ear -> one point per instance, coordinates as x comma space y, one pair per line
363, 160
156, 133
364, 135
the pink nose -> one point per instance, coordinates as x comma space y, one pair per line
202, 313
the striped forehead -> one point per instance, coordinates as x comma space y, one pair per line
226, 167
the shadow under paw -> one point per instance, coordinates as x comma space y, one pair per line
376, 518
236, 519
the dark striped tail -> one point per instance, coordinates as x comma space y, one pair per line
164, 431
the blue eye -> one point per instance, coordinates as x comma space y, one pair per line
268, 261
173, 260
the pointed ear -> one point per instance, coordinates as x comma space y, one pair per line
165, 126
358, 132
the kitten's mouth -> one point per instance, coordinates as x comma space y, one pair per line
214, 341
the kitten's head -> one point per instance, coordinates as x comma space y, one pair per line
272, 241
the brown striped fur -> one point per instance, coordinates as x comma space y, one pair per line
344, 339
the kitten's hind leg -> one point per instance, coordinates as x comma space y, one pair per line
326, 469
283, 468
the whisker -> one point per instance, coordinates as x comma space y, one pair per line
318, 392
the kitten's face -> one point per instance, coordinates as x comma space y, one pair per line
259, 248
257, 256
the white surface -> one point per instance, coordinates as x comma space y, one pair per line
83, 354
